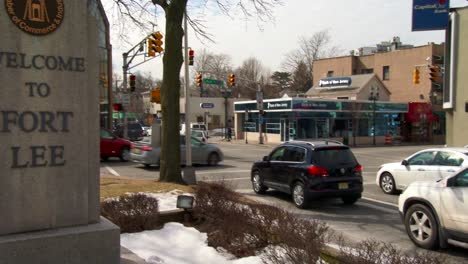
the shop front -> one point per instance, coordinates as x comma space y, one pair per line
354, 122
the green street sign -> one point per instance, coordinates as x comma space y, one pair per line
212, 81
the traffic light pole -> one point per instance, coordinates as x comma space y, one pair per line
125, 69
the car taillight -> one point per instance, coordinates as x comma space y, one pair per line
317, 171
358, 168
146, 148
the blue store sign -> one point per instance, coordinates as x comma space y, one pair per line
430, 14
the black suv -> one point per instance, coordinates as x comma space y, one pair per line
310, 170
135, 131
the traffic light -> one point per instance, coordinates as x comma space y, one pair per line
132, 83
434, 73
199, 80
155, 44
118, 107
191, 55
232, 79
155, 96
416, 76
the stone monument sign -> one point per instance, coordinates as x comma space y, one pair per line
49, 134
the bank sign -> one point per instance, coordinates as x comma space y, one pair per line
430, 14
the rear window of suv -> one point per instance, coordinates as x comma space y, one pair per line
334, 157
135, 126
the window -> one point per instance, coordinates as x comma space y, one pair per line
330, 74
294, 154
106, 134
462, 179
277, 154
444, 158
342, 98
386, 73
424, 158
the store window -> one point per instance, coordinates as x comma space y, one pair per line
386, 73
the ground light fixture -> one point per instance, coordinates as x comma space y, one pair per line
185, 202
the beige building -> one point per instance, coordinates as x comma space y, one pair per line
456, 96
394, 68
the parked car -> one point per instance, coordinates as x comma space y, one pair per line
428, 164
435, 213
113, 146
193, 126
200, 135
309, 171
135, 131
202, 153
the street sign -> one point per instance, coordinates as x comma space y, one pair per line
212, 81
126, 100
207, 105
430, 14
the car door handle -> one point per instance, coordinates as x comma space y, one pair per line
451, 170
421, 170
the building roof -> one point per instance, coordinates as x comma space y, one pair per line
358, 82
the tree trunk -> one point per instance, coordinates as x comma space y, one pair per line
170, 93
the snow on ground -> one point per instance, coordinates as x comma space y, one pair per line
177, 244
167, 201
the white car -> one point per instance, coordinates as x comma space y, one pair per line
428, 164
435, 213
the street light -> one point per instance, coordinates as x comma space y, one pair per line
374, 96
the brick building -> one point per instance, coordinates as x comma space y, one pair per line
394, 68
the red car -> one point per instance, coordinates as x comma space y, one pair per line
113, 146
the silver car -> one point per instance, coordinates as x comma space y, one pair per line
202, 153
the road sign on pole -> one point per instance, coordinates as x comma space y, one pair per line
212, 81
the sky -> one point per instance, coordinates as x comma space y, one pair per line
351, 24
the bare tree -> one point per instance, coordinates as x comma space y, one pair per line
248, 75
213, 66
310, 49
175, 10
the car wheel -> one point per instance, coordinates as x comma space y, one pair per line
125, 154
104, 158
350, 199
147, 165
298, 194
387, 183
257, 183
421, 226
213, 159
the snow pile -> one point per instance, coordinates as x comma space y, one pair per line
177, 244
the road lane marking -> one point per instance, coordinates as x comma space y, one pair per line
221, 171
112, 171
225, 179
378, 201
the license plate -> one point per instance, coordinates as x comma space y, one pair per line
137, 151
343, 185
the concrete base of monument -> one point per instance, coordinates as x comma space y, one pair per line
95, 243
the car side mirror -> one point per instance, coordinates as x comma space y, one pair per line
265, 158
405, 163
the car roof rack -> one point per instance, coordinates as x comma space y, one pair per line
314, 143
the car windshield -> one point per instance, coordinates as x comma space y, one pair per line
334, 157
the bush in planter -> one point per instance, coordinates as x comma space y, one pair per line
132, 213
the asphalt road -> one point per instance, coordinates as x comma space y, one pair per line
373, 217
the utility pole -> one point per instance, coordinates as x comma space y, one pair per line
374, 96
260, 110
125, 91
189, 171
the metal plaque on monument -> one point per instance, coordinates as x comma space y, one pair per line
49, 134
